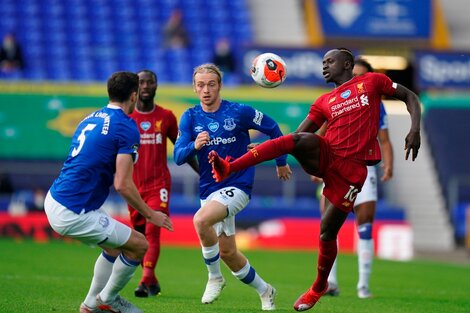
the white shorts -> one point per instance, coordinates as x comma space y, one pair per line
92, 228
369, 190
235, 200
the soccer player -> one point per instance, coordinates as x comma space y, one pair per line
366, 202
103, 150
223, 125
352, 113
151, 175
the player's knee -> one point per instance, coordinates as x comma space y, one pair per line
200, 223
365, 231
140, 247
228, 254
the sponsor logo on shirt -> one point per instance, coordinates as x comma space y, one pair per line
221, 141
150, 139
345, 106
229, 124
213, 127
145, 125
333, 99
198, 129
346, 94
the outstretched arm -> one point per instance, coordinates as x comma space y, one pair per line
413, 139
307, 125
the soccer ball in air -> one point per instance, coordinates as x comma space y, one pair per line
268, 70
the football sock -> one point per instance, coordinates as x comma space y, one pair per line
333, 278
268, 150
212, 259
365, 253
102, 271
326, 257
123, 270
249, 276
150, 260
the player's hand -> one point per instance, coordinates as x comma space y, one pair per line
283, 172
252, 145
387, 173
316, 179
161, 219
412, 142
202, 139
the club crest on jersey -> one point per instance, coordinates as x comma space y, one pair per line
229, 124
145, 125
360, 88
158, 126
213, 126
346, 94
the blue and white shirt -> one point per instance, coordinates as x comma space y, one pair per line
228, 130
88, 171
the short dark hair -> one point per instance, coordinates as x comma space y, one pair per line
121, 85
149, 72
347, 54
364, 63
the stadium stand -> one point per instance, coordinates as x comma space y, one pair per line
85, 40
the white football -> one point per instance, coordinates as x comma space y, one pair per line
268, 70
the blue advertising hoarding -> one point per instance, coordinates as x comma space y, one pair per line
376, 19
443, 70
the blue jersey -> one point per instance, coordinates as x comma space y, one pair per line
383, 119
88, 171
228, 130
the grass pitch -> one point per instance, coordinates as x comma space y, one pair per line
55, 276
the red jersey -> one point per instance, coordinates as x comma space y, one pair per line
352, 111
151, 170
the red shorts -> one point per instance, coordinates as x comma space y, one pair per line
157, 200
343, 177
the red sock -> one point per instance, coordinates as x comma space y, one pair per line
152, 233
326, 257
268, 150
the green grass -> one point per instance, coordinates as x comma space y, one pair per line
54, 277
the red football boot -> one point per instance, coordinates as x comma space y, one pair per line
308, 299
220, 167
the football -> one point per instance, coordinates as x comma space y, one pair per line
268, 70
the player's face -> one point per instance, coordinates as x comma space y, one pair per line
148, 86
359, 70
333, 66
207, 88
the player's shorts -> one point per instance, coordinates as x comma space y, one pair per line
343, 177
235, 200
369, 190
157, 200
92, 228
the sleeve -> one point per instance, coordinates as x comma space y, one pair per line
173, 126
384, 83
184, 145
254, 119
128, 140
316, 114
